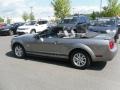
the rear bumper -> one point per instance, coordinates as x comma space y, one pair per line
113, 53
108, 56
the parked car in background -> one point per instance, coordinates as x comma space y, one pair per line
55, 42
5, 29
15, 26
32, 27
1, 25
105, 25
74, 22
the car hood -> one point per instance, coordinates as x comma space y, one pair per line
25, 26
24, 37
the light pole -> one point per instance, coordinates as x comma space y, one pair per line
31, 8
31, 12
100, 6
73, 9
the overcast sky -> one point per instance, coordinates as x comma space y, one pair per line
43, 8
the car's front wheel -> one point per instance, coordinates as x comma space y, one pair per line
19, 51
80, 59
11, 33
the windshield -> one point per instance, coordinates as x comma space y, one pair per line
31, 23
108, 22
69, 21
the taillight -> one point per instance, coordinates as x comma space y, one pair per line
111, 44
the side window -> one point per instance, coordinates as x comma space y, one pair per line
32, 23
87, 20
81, 20
47, 33
41, 22
44, 22
44, 32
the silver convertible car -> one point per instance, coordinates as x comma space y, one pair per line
80, 49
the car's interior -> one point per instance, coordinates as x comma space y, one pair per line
64, 33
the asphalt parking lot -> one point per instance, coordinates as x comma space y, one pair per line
41, 73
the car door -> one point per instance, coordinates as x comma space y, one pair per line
48, 45
42, 43
55, 46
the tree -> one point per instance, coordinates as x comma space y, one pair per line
1, 19
31, 16
93, 15
25, 16
112, 9
61, 8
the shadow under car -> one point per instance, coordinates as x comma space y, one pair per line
98, 66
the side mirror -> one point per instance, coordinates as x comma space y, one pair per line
37, 37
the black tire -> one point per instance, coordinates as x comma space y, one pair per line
32, 31
22, 50
11, 32
85, 63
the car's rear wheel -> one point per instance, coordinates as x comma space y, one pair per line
19, 51
80, 59
11, 33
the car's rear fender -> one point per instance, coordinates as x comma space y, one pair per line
83, 47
